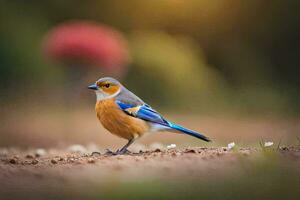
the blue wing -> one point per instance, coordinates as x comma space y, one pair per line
145, 112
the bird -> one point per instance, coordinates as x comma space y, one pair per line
124, 114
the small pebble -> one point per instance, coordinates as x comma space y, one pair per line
190, 151
34, 162
284, 148
29, 156
171, 146
53, 161
13, 161
26, 162
231, 145
268, 144
40, 152
157, 150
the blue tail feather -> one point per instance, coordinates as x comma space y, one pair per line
188, 132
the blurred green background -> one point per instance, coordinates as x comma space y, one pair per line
190, 58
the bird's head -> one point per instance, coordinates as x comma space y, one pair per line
106, 88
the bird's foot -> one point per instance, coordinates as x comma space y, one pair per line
118, 152
123, 151
110, 153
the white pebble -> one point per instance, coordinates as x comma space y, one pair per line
268, 144
231, 145
41, 152
171, 146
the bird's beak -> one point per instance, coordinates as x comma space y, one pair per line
93, 87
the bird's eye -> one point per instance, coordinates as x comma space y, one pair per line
107, 85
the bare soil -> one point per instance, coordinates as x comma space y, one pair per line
159, 162
60, 174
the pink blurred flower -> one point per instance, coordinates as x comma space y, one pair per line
88, 43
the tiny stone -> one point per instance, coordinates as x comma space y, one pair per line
284, 148
13, 161
157, 150
40, 152
29, 156
53, 161
190, 151
34, 162
26, 162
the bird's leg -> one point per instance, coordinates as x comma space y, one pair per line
124, 150
121, 151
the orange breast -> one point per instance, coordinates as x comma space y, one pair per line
119, 123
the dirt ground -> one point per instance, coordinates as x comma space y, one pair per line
65, 174
39, 161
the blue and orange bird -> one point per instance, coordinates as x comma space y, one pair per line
124, 114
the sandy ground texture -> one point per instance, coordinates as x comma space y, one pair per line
67, 174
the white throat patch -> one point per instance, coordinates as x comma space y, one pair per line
100, 95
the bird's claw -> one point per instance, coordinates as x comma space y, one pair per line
123, 151
118, 152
